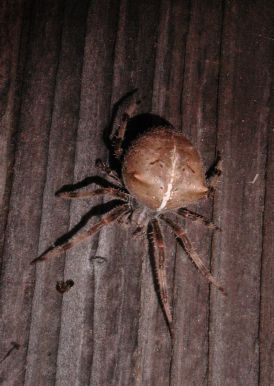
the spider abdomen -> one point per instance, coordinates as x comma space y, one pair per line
163, 170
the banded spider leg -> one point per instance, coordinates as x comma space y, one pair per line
181, 235
109, 218
160, 269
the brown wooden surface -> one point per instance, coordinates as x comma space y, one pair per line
207, 67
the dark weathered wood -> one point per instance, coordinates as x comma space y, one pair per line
245, 87
266, 373
22, 231
199, 122
46, 315
78, 308
206, 67
11, 36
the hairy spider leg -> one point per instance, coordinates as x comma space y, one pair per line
56, 250
159, 255
105, 168
126, 111
91, 193
181, 235
188, 214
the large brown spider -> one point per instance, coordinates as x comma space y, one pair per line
160, 173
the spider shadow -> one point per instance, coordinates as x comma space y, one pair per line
213, 168
97, 210
140, 124
137, 125
152, 259
84, 183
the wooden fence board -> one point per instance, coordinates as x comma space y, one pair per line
266, 374
199, 122
207, 67
46, 315
242, 135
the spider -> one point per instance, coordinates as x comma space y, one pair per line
158, 173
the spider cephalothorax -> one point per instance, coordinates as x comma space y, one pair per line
160, 173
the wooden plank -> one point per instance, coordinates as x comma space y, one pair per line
83, 310
206, 68
198, 115
266, 375
22, 232
154, 340
47, 302
142, 353
242, 137
12, 36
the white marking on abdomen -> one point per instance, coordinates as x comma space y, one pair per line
168, 192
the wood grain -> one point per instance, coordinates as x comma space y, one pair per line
242, 135
205, 66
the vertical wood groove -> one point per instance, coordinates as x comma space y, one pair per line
207, 68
